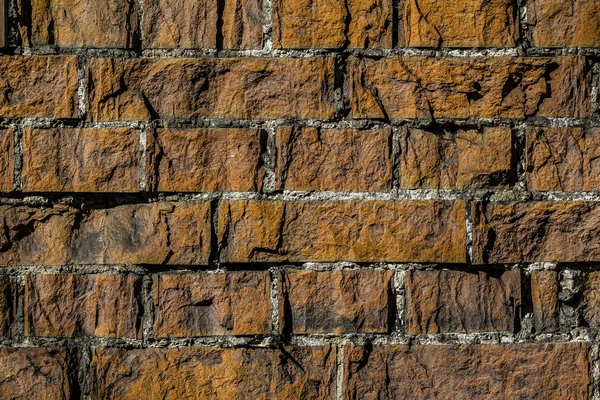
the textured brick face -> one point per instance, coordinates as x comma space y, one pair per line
7, 160
544, 298
8, 304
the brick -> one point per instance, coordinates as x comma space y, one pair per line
457, 301
591, 299
8, 303
142, 89
563, 159
351, 301
332, 24
467, 23
3, 30
455, 159
215, 373
233, 303
80, 160
512, 371
331, 159
7, 160
242, 24
204, 160
536, 232
367, 231
544, 297
38, 373
47, 86
155, 233
68, 305
472, 87
558, 23
82, 23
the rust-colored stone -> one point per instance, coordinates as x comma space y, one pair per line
471, 87
330, 159
544, 297
141, 89
234, 303
457, 301
8, 303
69, 305
214, 373
368, 231
242, 24
7, 160
80, 160
591, 299
203, 160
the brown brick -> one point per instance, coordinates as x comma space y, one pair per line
68, 305
234, 303
202, 160
537, 231
471, 87
563, 159
80, 160
82, 23
516, 371
156, 233
544, 296
457, 301
8, 303
564, 23
214, 373
330, 159
37, 373
369, 231
38, 86
591, 299
7, 160
351, 301
140, 89
466, 23
462, 159
242, 24
332, 24
3, 30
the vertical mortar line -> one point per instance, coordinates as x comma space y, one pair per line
148, 306
400, 288
595, 88
12, 20
469, 229
520, 153
19, 321
396, 157
274, 293
143, 158
595, 367
84, 373
140, 20
82, 59
270, 157
18, 158
339, 382
524, 39
267, 6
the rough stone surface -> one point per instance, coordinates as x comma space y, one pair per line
563, 159
518, 371
336, 301
80, 160
332, 24
242, 24
68, 305
7, 160
368, 231
477, 87
544, 297
535, 232
466, 23
8, 303
564, 23
331, 159
591, 299
462, 159
213, 373
38, 86
233, 303
142, 89
37, 373
200, 160
457, 301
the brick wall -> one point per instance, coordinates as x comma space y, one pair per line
358, 199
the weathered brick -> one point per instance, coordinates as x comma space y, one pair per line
461, 159
234, 303
37, 373
242, 24
466, 23
544, 296
205, 160
80, 160
331, 159
69, 305
564, 23
591, 299
140, 89
536, 231
215, 373
352, 301
332, 24
563, 159
7, 160
457, 301
78, 23
3, 30
514, 371
8, 303
38, 86
156, 233
265, 231
472, 87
